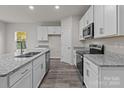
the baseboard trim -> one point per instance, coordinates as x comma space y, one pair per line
54, 58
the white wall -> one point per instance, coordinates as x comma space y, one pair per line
54, 41
31, 35
75, 32
2, 37
112, 44
69, 38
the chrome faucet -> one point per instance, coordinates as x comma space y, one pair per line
21, 48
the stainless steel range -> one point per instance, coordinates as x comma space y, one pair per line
93, 49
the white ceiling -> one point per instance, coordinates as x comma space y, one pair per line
41, 13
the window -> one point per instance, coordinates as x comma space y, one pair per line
20, 38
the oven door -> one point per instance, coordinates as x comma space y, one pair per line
79, 63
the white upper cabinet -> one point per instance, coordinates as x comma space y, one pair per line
54, 30
42, 34
89, 16
85, 21
108, 21
98, 21
120, 19
81, 25
110, 18
105, 21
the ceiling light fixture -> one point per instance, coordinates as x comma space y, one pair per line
31, 7
57, 7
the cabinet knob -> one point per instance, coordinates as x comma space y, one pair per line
101, 31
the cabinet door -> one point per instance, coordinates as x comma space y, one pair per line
89, 14
85, 20
86, 74
54, 30
42, 34
98, 21
93, 79
81, 29
105, 20
90, 74
44, 64
110, 20
39, 70
4, 82
37, 75
90, 77
25, 82
57, 30
51, 30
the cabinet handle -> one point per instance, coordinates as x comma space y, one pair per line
87, 73
24, 71
101, 31
41, 66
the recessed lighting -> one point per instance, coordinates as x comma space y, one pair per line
57, 7
31, 7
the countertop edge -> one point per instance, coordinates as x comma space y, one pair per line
36, 56
103, 65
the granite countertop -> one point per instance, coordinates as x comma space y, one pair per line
111, 60
10, 63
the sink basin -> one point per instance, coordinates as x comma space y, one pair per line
30, 54
23, 56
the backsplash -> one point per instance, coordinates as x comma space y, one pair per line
112, 44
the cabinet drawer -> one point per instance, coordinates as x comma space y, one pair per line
91, 65
13, 78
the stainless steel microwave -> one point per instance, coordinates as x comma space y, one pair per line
88, 32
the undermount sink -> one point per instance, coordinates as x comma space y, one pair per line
30, 54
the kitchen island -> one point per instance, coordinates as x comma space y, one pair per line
102, 71
23, 72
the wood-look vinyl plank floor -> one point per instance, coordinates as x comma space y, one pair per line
61, 75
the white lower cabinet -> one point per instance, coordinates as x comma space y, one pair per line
27, 76
21, 78
38, 70
90, 76
3, 82
103, 77
24, 82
